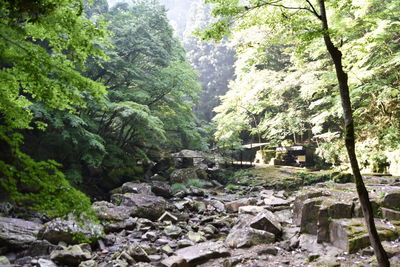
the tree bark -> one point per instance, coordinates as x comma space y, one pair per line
342, 78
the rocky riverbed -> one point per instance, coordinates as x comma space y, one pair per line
257, 224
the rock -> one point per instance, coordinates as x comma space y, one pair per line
307, 217
218, 205
110, 212
351, 234
138, 253
4, 261
167, 217
46, 263
251, 209
390, 214
70, 231
241, 237
269, 251
392, 199
17, 233
173, 230
150, 235
183, 243
233, 206
40, 248
137, 188
183, 175
144, 206
301, 200
127, 224
89, 263
332, 208
167, 249
268, 222
202, 252
161, 189
196, 237
175, 261
72, 255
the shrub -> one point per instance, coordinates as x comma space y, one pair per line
178, 187
195, 183
231, 187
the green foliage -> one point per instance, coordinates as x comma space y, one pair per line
231, 187
43, 46
285, 87
42, 186
312, 178
195, 183
178, 187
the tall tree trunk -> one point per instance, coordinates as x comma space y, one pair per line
342, 78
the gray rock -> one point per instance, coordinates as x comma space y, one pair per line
218, 205
251, 209
351, 235
137, 253
110, 212
309, 216
202, 252
268, 222
233, 206
175, 261
40, 248
392, 199
46, 263
246, 236
196, 237
161, 189
143, 206
70, 231
136, 188
391, 214
72, 255
183, 175
173, 230
17, 233
4, 261
127, 224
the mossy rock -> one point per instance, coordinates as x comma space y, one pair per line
343, 178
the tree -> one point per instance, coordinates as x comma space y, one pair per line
291, 17
39, 63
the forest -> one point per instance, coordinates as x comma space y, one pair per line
117, 112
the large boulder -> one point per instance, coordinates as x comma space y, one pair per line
392, 199
70, 231
202, 252
109, 212
246, 236
137, 188
185, 174
351, 235
266, 221
250, 231
17, 233
143, 206
72, 255
161, 189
